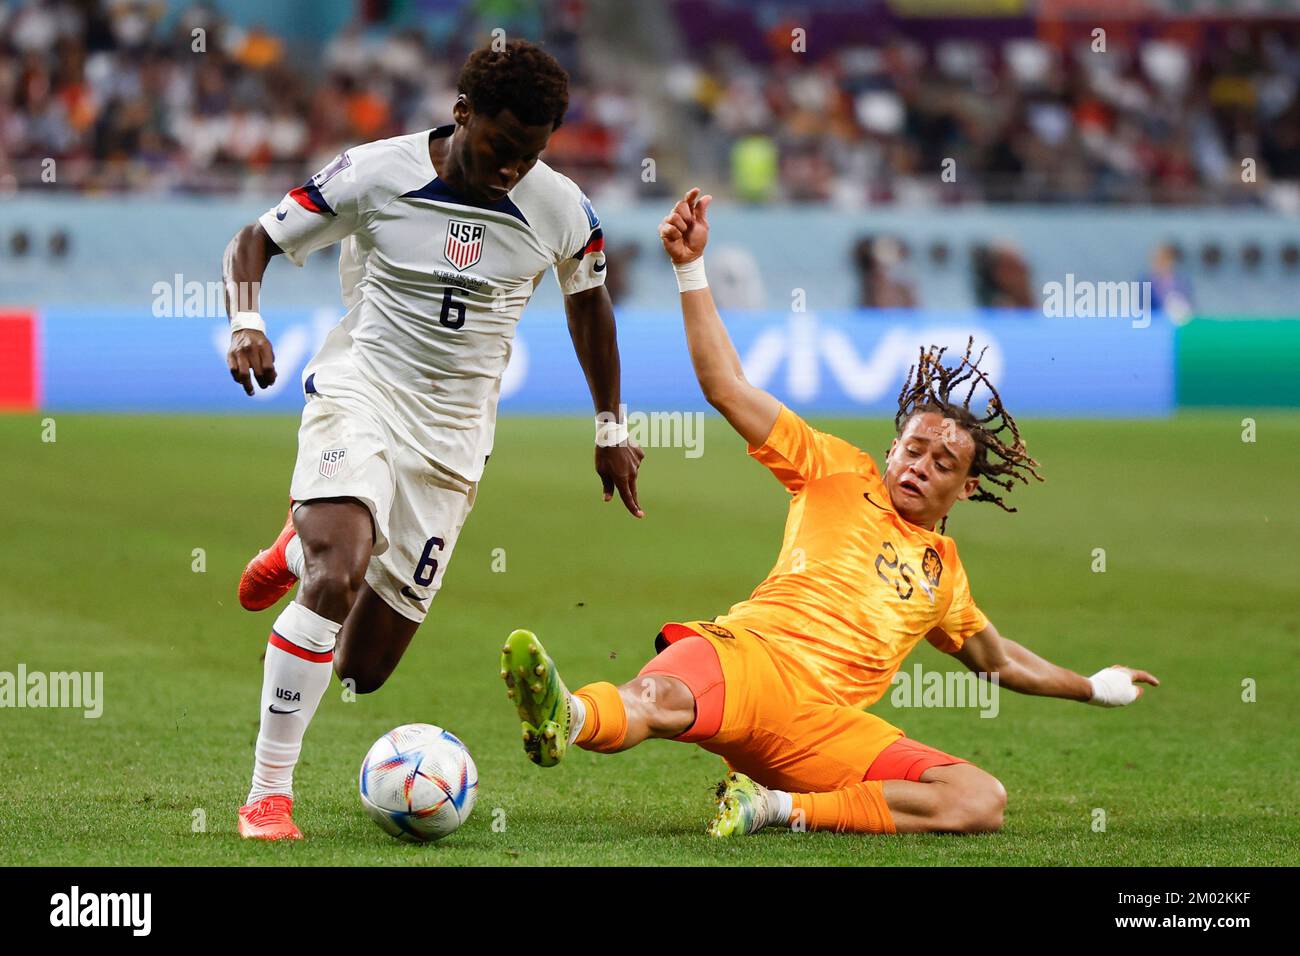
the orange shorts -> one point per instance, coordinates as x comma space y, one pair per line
783, 735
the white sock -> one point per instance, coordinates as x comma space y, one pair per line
293, 556
577, 717
293, 682
780, 806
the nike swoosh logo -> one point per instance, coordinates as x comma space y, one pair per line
407, 592
281, 212
272, 709
867, 495
599, 268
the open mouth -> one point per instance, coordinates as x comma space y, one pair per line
911, 487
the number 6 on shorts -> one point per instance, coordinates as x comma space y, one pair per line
428, 566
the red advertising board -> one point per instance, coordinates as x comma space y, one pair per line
19, 388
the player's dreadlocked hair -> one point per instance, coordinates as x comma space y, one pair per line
522, 78
1000, 456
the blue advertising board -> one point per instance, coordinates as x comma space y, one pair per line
832, 363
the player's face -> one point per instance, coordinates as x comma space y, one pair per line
928, 468
498, 151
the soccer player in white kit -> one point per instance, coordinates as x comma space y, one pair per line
445, 234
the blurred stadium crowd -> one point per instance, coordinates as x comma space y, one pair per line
118, 94
124, 97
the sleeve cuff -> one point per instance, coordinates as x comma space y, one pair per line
275, 229
766, 448
588, 279
945, 642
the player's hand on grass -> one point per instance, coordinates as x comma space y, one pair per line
617, 466
1117, 685
685, 231
251, 357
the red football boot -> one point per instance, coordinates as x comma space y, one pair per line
267, 577
270, 818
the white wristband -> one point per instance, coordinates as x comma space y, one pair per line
1112, 687
247, 320
610, 433
690, 275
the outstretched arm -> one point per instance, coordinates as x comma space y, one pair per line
751, 411
242, 267
595, 341
1021, 670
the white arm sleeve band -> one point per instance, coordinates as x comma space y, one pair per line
247, 320
690, 276
1112, 687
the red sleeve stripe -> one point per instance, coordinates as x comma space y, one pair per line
310, 198
595, 244
316, 658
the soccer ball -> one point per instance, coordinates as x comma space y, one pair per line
418, 782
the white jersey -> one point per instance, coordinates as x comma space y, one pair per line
433, 283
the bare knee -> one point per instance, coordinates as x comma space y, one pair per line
337, 538
360, 675
330, 584
664, 703
974, 802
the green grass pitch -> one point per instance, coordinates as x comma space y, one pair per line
1200, 587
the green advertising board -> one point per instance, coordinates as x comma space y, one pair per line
1225, 361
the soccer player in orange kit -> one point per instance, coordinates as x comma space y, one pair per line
776, 686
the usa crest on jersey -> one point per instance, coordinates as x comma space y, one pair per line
331, 461
464, 243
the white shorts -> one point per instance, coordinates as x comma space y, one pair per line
347, 449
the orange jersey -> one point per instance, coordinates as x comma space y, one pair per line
855, 586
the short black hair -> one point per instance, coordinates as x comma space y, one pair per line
522, 78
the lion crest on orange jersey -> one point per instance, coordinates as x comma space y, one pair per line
931, 566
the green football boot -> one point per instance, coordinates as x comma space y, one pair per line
742, 807
534, 685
